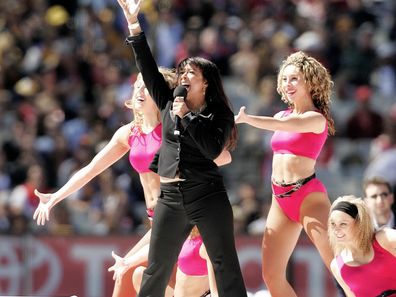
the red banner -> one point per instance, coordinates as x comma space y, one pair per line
67, 266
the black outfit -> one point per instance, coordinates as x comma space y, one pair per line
200, 199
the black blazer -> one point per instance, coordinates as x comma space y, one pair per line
203, 135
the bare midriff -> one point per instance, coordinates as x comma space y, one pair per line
151, 186
288, 168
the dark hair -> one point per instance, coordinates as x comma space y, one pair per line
215, 91
347, 207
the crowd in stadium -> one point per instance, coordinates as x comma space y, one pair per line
65, 73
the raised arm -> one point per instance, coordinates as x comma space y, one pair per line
131, 10
153, 79
113, 151
310, 121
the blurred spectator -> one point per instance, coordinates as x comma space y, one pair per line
168, 33
257, 226
379, 198
245, 62
359, 56
22, 200
247, 207
86, 218
212, 48
384, 76
61, 224
364, 122
113, 202
383, 163
188, 46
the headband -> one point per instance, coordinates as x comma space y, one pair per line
347, 207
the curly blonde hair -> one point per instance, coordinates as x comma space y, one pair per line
317, 78
169, 76
363, 225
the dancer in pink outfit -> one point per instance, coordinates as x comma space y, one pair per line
299, 199
365, 260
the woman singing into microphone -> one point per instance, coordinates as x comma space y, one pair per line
192, 188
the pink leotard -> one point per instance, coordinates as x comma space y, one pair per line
300, 144
189, 261
373, 278
143, 148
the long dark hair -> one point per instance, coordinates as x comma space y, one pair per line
215, 91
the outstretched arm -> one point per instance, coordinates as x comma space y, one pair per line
310, 121
113, 151
153, 79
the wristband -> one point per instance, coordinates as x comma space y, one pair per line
134, 26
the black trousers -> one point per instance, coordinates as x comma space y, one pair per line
180, 206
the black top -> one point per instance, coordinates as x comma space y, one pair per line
203, 135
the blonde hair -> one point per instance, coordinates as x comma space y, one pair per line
318, 80
171, 79
363, 225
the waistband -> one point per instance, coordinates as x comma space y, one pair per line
387, 293
295, 186
170, 184
185, 184
299, 182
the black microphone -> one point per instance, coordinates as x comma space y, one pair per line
180, 91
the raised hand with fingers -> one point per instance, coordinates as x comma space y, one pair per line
119, 266
131, 9
41, 214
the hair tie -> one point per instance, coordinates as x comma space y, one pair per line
347, 207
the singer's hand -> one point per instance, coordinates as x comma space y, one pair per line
241, 116
179, 107
130, 9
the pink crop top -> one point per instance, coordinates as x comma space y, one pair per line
301, 144
189, 261
143, 148
373, 278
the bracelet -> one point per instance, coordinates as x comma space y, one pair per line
134, 25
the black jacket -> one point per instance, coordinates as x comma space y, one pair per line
203, 136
